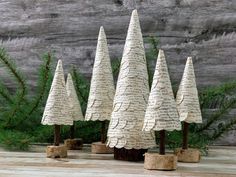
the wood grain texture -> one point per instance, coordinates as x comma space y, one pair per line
203, 29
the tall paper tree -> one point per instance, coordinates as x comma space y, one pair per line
57, 110
187, 100
161, 113
125, 129
73, 103
102, 88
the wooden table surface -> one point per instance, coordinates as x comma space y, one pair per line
221, 162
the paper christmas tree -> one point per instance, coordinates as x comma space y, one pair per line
187, 96
73, 100
189, 111
125, 129
57, 110
161, 113
102, 88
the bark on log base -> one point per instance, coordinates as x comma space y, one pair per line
129, 154
74, 144
155, 161
188, 155
101, 148
56, 151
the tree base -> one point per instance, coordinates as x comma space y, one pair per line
155, 161
188, 155
56, 151
101, 148
74, 144
129, 154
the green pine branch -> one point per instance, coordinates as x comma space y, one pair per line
82, 88
215, 97
218, 115
5, 93
9, 64
151, 56
43, 86
223, 129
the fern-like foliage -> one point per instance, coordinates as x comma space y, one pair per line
20, 93
82, 87
151, 56
20, 111
42, 89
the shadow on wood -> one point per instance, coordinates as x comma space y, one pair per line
129, 154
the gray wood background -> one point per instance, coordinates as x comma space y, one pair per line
203, 29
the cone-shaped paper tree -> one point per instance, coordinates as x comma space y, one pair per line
161, 113
187, 100
102, 88
57, 110
73, 103
125, 128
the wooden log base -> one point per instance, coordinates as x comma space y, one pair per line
188, 155
74, 144
129, 154
56, 151
101, 148
155, 161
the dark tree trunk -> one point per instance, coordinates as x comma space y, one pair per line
185, 136
103, 131
129, 154
72, 131
162, 142
57, 135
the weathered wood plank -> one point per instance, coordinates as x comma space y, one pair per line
202, 29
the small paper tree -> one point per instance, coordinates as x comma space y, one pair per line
125, 128
161, 113
74, 104
57, 110
102, 88
187, 100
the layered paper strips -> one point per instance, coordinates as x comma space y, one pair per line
125, 128
102, 88
187, 96
73, 100
57, 110
161, 113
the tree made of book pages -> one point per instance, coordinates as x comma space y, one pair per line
102, 90
161, 115
77, 114
57, 111
189, 110
125, 129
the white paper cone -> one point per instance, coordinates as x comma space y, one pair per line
125, 128
161, 113
57, 110
102, 88
73, 100
187, 96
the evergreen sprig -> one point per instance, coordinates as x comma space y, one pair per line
82, 88
225, 128
20, 94
218, 115
43, 86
